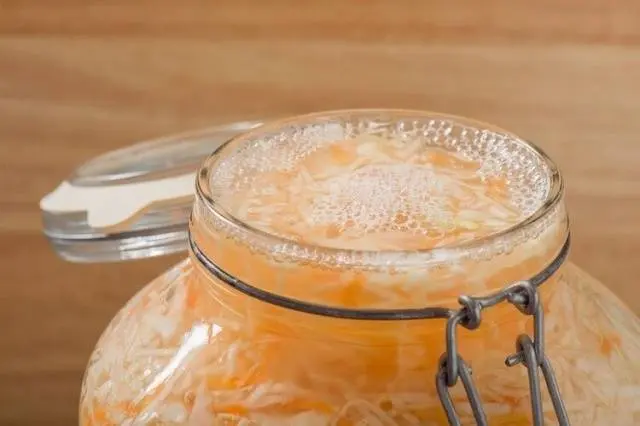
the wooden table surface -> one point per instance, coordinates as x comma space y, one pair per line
78, 78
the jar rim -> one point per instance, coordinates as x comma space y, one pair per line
397, 257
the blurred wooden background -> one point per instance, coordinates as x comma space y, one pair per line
80, 77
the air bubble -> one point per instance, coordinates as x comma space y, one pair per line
376, 194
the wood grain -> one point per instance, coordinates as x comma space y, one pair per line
81, 77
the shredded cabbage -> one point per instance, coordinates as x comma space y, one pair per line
188, 350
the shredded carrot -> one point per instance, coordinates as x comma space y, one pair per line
610, 342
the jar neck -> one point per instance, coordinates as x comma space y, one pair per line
520, 255
225, 305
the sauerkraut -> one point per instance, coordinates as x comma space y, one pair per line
363, 222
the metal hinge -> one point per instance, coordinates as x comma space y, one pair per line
529, 352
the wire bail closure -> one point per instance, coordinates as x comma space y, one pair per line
525, 297
522, 294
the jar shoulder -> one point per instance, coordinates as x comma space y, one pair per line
178, 348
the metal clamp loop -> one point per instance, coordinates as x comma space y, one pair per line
531, 354
525, 297
464, 372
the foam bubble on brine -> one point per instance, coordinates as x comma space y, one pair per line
374, 193
383, 197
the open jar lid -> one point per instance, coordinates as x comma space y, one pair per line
133, 202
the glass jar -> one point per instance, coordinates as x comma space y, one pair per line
349, 268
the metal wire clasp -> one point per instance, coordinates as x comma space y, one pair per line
525, 297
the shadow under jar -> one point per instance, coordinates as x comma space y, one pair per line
328, 257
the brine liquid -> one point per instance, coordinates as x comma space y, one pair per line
373, 193
190, 350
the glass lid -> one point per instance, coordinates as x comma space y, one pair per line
134, 202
